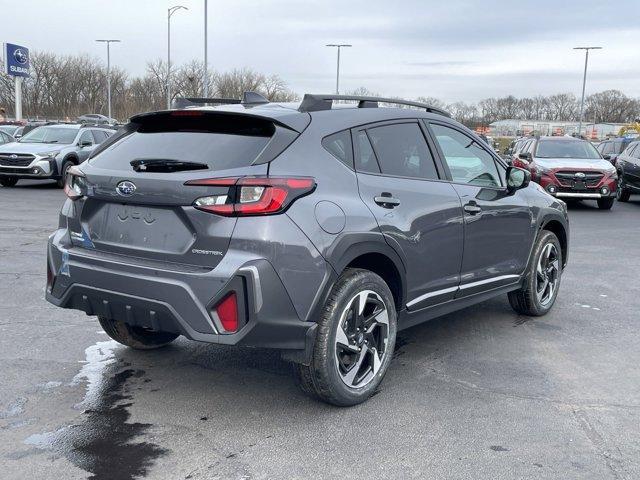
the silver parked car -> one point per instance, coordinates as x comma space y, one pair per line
47, 152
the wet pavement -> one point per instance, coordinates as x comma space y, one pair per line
481, 393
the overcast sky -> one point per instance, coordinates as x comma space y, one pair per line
453, 50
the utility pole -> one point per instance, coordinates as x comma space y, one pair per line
170, 12
338, 46
108, 42
584, 81
205, 78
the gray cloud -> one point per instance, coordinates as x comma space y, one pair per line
460, 50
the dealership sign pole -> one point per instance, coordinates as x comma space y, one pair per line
16, 60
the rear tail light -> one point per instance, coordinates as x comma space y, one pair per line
252, 195
227, 311
75, 185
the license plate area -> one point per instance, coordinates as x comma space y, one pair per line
155, 229
578, 185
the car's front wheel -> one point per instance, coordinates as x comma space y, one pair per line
135, 337
66, 165
542, 280
355, 340
622, 194
605, 203
8, 181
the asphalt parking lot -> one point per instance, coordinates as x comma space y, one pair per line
478, 394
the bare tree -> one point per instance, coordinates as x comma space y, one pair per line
65, 86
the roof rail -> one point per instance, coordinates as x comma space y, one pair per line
317, 102
248, 98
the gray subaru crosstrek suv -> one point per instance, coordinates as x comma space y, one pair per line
47, 152
317, 229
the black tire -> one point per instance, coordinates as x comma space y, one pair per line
605, 203
525, 301
135, 337
622, 194
8, 182
322, 378
66, 165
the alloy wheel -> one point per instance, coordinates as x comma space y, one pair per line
547, 274
361, 339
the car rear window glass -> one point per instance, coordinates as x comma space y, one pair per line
566, 149
365, 158
402, 151
339, 145
219, 141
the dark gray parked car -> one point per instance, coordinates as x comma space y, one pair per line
316, 229
47, 152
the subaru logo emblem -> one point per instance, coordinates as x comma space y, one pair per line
579, 175
126, 188
21, 56
13, 156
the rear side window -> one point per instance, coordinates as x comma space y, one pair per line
365, 159
339, 145
402, 151
219, 141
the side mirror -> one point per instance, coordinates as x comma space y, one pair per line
525, 156
517, 178
86, 143
607, 156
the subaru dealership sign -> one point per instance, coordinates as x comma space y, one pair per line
16, 60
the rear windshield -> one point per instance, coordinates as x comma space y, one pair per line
566, 149
220, 143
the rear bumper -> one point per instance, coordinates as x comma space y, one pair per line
175, 299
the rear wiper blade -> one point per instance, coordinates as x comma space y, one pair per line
165, 165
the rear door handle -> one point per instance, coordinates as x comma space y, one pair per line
385, 200
472, 208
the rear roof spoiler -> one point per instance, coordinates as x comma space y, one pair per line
313, 102
248, 98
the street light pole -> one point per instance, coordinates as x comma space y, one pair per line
108, 42
170, 12
205, 77
338, 46
584, 81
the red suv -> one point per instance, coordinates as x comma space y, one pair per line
569, 168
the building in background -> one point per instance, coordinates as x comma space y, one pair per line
514, 128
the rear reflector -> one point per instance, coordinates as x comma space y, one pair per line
252, 195
50, 278
227, 311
